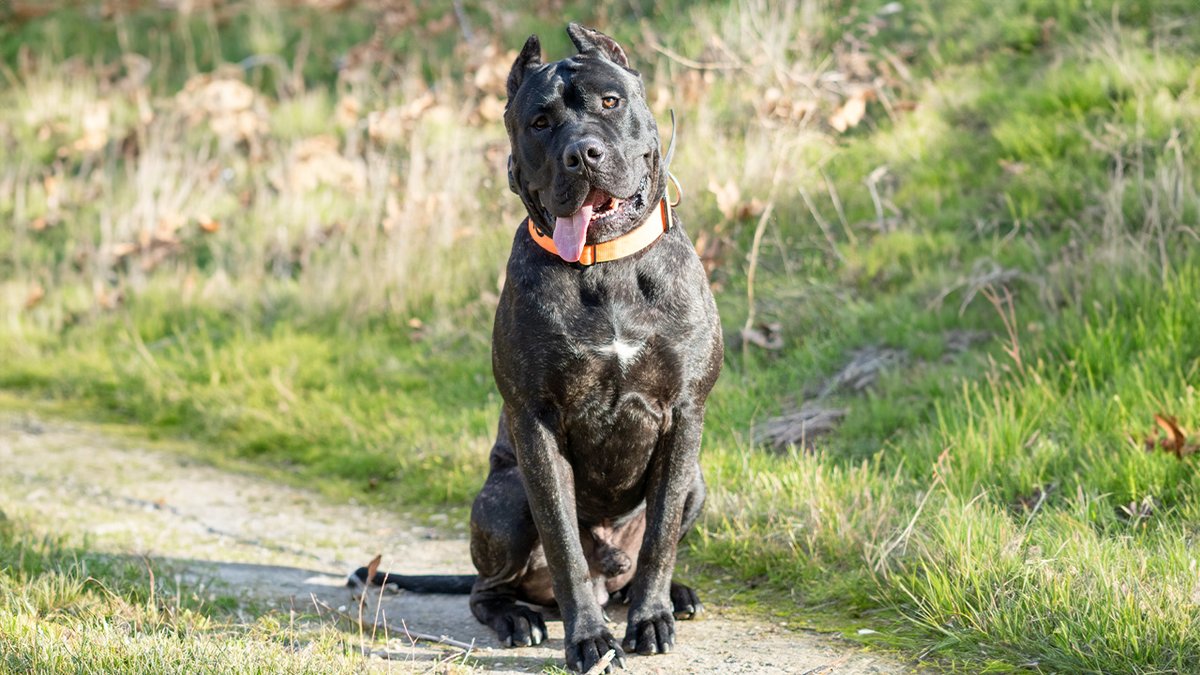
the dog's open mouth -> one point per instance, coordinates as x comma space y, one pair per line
570, 232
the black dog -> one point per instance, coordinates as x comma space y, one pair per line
605, 347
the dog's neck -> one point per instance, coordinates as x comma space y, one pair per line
636, 240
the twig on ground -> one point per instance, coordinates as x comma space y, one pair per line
602, 663
415, 636
750, 274
863, 370
985, 273
799, 427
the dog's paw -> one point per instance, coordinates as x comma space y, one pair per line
685, 602
650, 632
583, 655
519, 626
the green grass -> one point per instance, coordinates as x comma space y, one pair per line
340, 332
63, 609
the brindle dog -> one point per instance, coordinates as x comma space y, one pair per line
604, 370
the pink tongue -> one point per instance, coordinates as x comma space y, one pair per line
570, 233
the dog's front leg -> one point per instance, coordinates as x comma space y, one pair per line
550, 486
651, 625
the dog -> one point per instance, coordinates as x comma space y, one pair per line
605, 346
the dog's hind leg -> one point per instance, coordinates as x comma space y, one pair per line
503, 536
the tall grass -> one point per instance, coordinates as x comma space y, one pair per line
217, 191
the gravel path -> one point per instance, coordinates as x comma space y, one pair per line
275, 546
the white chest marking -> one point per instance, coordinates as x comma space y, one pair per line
624, 351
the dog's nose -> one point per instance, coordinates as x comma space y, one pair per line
585, 153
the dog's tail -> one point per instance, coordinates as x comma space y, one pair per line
450, 584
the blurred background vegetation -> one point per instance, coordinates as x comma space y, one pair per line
951, 244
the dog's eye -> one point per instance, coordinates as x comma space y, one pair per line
610, 102
540, 122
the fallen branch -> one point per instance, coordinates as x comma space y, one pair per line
799, 427
404, 630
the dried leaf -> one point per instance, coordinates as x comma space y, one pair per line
393, 124
728, 196
347, 111
208, 225
122, 249
165, 229
52, 184
317, 161
1136, 513
730, 203
1176, 441
857, 64
776, 104
852, 111
490, 109
107, 298
233, 110
491, 66
711, 249
767, 336
35, 296
96, 119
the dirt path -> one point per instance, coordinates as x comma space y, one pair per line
276, 545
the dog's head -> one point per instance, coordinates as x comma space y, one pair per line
585, 149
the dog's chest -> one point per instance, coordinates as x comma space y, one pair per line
612, 343
617, 399
624, 371
624, 351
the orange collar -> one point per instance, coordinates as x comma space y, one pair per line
633, 241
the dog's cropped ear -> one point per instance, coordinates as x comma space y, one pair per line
591, 40
530, 57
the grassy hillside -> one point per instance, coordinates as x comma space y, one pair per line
962, 230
